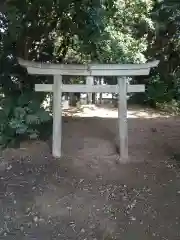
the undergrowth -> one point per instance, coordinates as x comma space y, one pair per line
21, 118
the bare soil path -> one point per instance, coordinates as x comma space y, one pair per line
87, 194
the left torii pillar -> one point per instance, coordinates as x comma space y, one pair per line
57, 116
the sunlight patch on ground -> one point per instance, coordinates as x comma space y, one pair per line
109, 112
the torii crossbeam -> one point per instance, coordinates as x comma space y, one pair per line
121, 71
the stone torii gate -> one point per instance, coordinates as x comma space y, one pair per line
121, 71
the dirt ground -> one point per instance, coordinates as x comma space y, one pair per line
87, 194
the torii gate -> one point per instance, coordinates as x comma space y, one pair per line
121, 71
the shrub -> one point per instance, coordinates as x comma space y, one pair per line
158, 91
20, 118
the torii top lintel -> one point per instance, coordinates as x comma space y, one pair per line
88, 70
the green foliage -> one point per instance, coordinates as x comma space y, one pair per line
126, 42
104, 31
158, 92
51, 30
20, 118
164, 44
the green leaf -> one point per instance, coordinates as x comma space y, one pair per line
7, 105
32, 119
21, 129
43, 116
3, 117
19, 112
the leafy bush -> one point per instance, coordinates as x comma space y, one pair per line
163, 95
158, 92
20, 118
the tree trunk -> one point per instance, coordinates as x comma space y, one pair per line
100, 95
115, 101
89, 98
72, 100
100, 98
93, 98
66, 96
